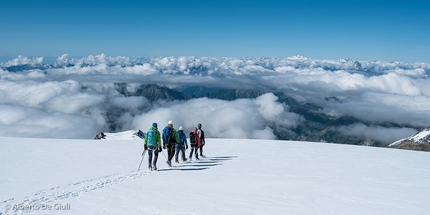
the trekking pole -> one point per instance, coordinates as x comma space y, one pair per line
165, 155
143, 155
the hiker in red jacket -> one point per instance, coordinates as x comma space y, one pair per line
194, 143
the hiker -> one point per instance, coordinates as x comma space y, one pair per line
201, 134
170, 138
194, 143
181, 145
152, 144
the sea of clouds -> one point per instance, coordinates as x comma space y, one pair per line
78, 98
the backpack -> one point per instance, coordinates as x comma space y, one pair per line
193, 138
181, 138
168, 137
152, 138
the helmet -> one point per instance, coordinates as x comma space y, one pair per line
154, 124
181, 128
195, 128
170, 122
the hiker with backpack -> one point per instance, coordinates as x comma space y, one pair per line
201, 134
181, 145
170, 138
194, 143
152, 145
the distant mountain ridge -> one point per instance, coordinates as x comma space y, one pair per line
318, 127
153, 92
233, 94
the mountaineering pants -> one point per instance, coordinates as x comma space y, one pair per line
170, 151
194, 148
181, 148
201, 149
154, 163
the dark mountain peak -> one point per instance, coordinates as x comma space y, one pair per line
153, 92
232, 94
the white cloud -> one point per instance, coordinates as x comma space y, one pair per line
266, 133
385, 135
381, 107
32, 122
22, 60
73, 103
132, 104
375, 91
243, 118
35, 94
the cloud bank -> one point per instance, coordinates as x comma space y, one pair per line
77, 98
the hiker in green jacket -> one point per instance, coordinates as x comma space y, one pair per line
153, 144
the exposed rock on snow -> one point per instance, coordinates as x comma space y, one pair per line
125, 135
419, 141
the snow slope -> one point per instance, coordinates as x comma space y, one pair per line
237, 177
420, 137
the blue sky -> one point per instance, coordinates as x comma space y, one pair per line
361, 30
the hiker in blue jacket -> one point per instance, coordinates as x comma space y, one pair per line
170, 138
152, 144
181, 145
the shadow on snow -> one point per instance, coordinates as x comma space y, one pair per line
202, 164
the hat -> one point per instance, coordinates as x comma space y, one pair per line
170, 122
195, 128
199, 125
154, 124
181, 128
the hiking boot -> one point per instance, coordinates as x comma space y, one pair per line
154, 168
185, 160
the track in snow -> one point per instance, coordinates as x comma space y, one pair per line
71, 190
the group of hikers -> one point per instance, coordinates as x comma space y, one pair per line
174, 141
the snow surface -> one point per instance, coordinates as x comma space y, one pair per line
237, 176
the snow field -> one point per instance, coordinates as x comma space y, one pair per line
236, 177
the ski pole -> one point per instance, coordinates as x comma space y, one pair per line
143, 155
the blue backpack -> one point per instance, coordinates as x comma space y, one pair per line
181, 137
167, 136
152, 138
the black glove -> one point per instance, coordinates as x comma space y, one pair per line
145, 147
186, 147
160, 149
164, 146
